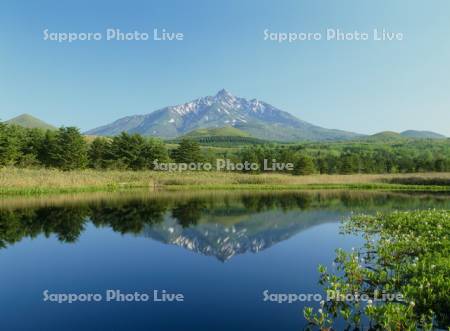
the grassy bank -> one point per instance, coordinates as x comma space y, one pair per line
14, 181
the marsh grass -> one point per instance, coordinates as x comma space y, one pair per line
441, 181
16, 181
46, 181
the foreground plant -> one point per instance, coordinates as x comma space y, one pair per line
399, 280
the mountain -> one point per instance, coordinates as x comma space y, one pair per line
28, 121
259, 119
422, 134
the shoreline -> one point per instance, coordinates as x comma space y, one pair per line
11, 192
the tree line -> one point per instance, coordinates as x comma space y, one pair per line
68, 149
381, 159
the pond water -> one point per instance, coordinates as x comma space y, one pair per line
220, 251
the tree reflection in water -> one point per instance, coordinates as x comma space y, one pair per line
67, 223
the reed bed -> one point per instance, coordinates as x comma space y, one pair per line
16, 181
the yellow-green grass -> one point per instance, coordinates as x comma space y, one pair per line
39, 181
14, 181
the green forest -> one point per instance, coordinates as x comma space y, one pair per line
67, 149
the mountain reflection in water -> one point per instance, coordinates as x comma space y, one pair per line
221, 226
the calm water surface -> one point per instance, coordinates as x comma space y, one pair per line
221, 251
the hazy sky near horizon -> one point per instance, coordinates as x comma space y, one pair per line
361, 86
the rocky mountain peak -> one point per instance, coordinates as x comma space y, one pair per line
223, 93
226, 98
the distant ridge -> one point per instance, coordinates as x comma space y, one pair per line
30, 122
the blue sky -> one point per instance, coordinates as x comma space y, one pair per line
358, 86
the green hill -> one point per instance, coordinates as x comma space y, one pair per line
28, 121
390, 136
227, 131
422, 134
222, 137
386, 136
